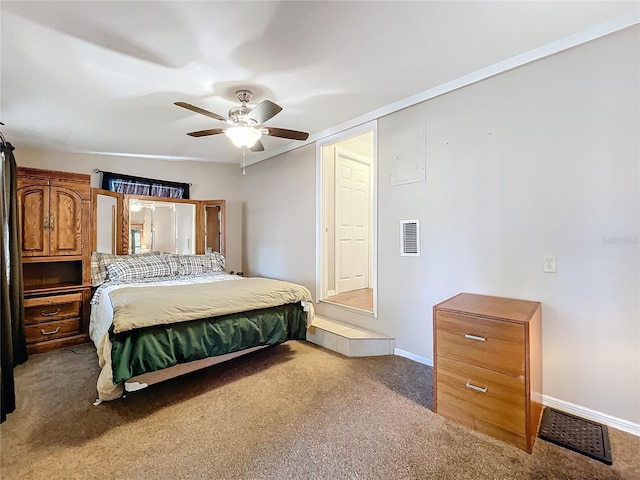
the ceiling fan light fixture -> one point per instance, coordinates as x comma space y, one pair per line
242, 136
245, 124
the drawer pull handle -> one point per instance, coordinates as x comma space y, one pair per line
475, 337
51, 332
50, 314
477, 389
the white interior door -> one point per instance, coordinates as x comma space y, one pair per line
352, 207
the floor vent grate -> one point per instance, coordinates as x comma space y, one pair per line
577, 434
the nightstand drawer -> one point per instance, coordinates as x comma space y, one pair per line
465, 390
492, 344
51, 330
55, 307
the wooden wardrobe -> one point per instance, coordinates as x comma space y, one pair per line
54, 214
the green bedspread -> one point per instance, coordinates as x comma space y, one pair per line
154, 348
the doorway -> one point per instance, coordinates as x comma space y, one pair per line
347, 213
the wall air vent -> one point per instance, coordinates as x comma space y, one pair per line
409, 238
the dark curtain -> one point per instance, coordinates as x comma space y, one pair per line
13, 346
117, 182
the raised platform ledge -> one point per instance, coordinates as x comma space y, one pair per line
348, 339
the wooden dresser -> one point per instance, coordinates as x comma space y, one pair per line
54, 211
488, 365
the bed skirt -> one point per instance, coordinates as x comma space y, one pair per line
155, 348
131, 355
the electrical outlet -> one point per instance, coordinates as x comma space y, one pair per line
549, 263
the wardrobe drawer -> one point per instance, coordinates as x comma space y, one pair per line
471, 392
44, 309
491, 344
52, 330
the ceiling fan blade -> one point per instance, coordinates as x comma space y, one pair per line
286, 133
201, 111
257, 147
264, 111
204, 133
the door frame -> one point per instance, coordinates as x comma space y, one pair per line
321, 210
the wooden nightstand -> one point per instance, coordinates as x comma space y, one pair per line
488, 365
55, 320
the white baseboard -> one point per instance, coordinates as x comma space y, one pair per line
413, 356
584, 412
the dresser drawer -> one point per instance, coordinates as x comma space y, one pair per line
492, 344
44, 309
52, 330
472, 392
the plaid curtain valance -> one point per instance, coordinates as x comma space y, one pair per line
117, 182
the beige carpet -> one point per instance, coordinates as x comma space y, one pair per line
295, 411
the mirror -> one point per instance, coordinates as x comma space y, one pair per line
185, 228
106, 215
126, 224
161, 225
136, 236
214, 226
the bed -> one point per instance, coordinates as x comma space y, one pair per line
156, 317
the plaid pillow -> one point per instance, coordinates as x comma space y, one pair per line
191, 265
215, 262
173, 259
198, 264
100, 261
140, 267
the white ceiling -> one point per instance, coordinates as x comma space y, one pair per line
103, 76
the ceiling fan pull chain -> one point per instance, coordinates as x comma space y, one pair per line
244, 155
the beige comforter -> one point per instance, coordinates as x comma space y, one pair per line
135, 307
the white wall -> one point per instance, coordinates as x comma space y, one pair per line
540, 160
280, 218
361, 145
213, 181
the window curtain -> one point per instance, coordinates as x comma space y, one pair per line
128, 184
13, 345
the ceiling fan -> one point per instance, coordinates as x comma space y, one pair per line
246, 128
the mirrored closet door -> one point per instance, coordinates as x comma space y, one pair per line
127, 224
106, 220
158, 225
214, 226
